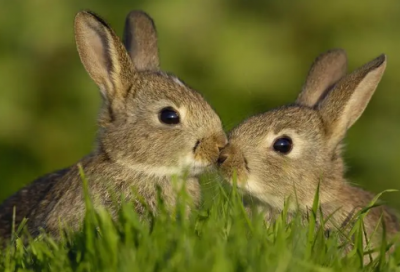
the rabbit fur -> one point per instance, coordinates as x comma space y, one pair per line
133, 147
328, 105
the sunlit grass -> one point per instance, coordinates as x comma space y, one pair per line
218, 237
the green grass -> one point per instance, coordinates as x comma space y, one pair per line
218, 237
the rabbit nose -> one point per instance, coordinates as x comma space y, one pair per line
223, 156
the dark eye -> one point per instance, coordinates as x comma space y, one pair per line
283, 145
169, 116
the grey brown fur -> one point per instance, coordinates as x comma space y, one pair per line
133, 148
329, 104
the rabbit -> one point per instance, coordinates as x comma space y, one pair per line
287, 152
153, 129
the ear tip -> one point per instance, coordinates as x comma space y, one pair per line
338, 51
84, 14
138, 15
379, 61
337, 55
382, 57
87, 17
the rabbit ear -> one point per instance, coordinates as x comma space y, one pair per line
103, 55
345, 103
140, 40
326, 70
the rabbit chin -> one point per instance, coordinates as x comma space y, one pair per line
195, 167
188, 167
254, 188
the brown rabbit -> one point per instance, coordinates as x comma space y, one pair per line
286, 152
152, 127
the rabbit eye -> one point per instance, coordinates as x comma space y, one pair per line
283, 145
169, 116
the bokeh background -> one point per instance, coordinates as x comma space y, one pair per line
244, 56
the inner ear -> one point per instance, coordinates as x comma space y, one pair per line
104, 58
106, 61
345, 103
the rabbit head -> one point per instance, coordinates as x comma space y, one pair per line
287, 151
150, 121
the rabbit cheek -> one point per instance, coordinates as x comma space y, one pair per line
266, 193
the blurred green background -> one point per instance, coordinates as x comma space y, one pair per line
244, 56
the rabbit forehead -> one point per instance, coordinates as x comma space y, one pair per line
160, 89
278, 122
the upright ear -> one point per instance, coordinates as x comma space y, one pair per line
327, 69
103, 56
345, 103
140, 40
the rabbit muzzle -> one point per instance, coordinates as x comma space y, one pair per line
207, 150
232, 164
